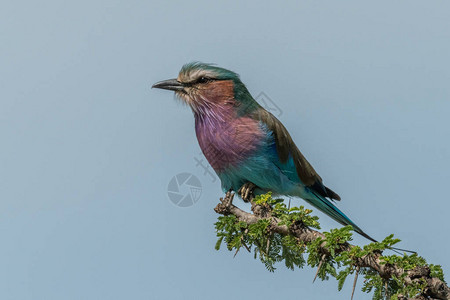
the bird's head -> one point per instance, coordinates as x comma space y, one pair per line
205, 86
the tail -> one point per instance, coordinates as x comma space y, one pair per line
331, 210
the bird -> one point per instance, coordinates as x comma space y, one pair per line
248, 147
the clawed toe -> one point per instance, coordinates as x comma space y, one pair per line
246, 191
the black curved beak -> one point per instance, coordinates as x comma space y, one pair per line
170, 84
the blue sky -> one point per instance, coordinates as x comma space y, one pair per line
88, 149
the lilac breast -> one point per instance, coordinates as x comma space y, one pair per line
227, 140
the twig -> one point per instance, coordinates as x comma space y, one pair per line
435, 287
354, 281
318, 268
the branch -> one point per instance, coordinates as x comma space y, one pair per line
433, 287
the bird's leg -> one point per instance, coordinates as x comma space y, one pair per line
246, 191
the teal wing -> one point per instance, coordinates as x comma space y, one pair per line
290, 158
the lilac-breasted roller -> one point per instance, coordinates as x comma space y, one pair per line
245, 144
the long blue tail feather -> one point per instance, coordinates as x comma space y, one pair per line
331, 210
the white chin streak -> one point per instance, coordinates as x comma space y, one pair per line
198, 104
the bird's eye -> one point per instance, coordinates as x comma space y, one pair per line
204, 79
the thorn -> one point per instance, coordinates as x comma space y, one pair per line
237, 250
246, 247
243, 243
267, 247
354, 281
386, 289
320, 265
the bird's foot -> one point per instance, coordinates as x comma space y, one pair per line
246, 192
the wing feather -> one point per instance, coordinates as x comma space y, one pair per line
286, 148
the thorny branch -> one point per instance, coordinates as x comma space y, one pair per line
435, 288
